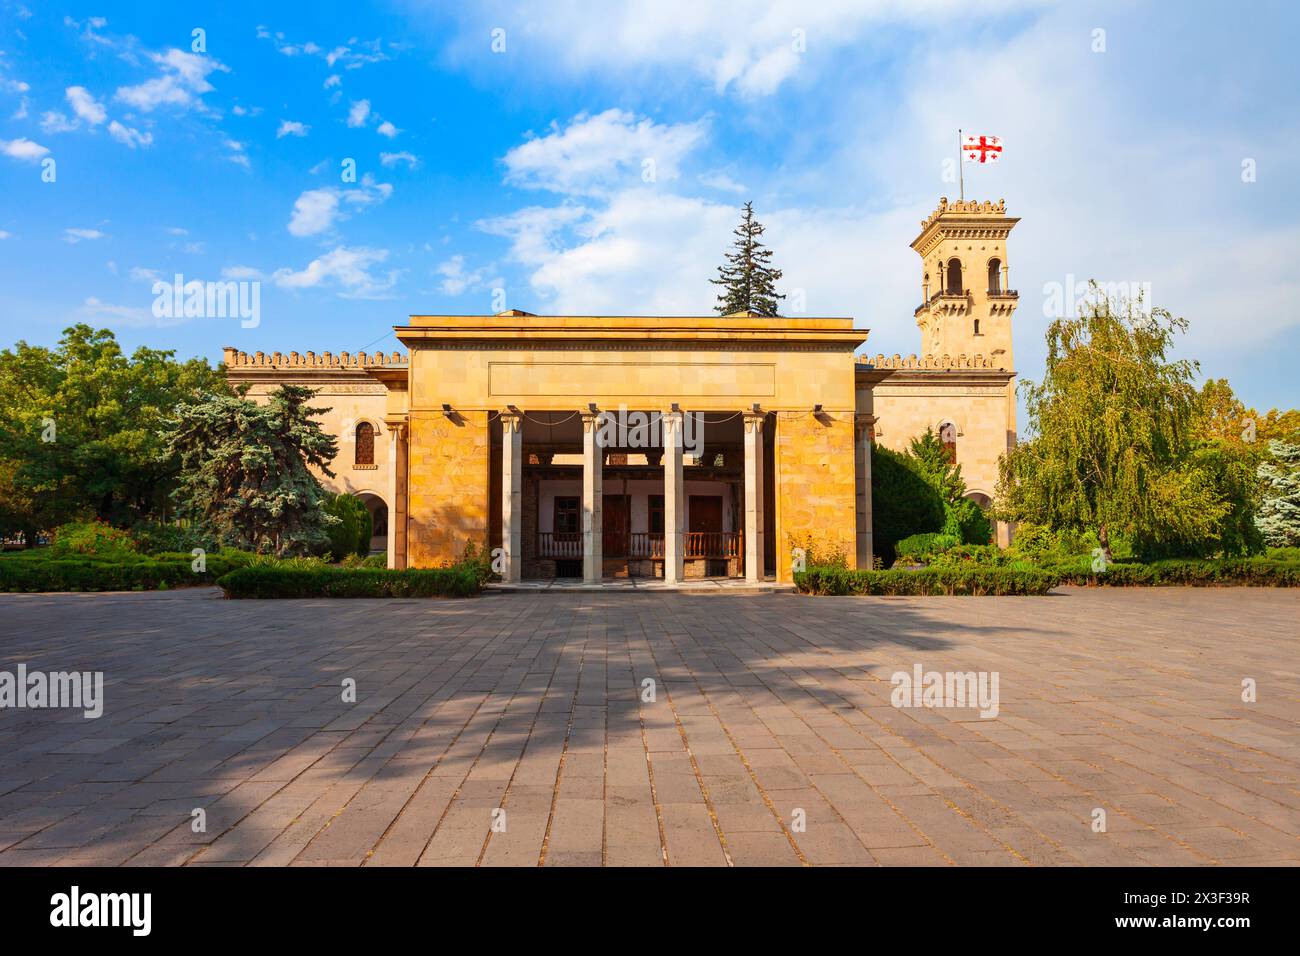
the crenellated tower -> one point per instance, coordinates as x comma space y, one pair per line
966, 302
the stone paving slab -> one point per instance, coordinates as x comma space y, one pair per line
521, 730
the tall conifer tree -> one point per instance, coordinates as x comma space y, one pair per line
748, 280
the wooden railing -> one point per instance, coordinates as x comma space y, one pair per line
642, 544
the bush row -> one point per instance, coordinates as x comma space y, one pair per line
1221, 572
276, 582
136, 573
839, 581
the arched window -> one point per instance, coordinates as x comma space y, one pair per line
948, 435
954, 277
977, 326
995, 275
365, 444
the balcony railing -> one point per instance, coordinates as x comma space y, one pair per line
563, 545
567, 545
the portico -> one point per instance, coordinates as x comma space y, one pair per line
626, 446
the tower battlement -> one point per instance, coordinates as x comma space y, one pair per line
966, 299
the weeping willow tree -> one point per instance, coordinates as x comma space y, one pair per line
1112, 438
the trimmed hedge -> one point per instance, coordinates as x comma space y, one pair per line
135, 573
947, 581
274, 582
1221, 572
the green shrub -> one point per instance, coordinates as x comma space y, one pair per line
943, 581
966, 520
375, 561
973, 555
153, 537
351, 533
46, 571
921, 548
903, 501
460, 580
91, 539
1219, 572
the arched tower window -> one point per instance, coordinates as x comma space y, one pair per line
954, 277
948, 435
995, 275
365, 444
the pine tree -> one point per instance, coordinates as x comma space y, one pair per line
1279, 513
245, 469
748, 280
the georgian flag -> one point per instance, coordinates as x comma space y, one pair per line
981, 149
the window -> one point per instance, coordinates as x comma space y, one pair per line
995, 275
948, 435
954, 277
568, 511
656, 514
365, 444
977, 326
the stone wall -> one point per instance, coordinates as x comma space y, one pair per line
448, 500
815, 485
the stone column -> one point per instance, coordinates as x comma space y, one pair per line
674, 499
593, 462
512, 495
397, 494
863, 426
753, 496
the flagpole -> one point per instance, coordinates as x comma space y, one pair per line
961, 171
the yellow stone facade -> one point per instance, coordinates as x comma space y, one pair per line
489, 409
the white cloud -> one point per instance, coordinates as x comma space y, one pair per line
593, 153
55, 122
237, 154
721, 181
182, 82
359, 112
129, 136
5, 235
387, 129
349, 270
141, 274
102, 313
241, 273
752, 47
392, 159
455, 280
73, 236
86, 106
291, 128
333, 80
316, 210
22, 149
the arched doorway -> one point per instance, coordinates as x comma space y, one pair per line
378, 521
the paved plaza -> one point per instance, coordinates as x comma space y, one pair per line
520, 729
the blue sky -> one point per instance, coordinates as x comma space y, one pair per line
596, 163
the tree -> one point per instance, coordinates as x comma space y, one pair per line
245, 469
748, 280
963, 518
933, 459
351, 535
1279, 513
903, 501
1111, 430
79, 429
